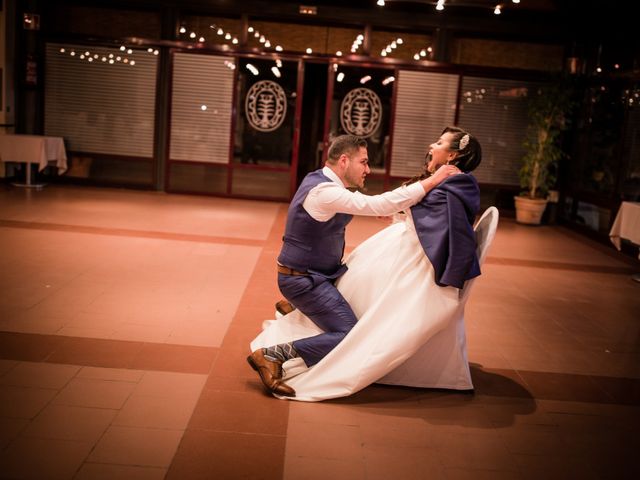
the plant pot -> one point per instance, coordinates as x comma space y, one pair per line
529, 210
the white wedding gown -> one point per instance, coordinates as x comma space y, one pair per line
390, 286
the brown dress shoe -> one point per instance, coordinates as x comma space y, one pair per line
284, 307
270, 373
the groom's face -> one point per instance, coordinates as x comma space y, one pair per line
357, 168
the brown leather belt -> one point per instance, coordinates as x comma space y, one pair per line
289, 271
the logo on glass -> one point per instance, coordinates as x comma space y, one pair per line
361, 112
265, 106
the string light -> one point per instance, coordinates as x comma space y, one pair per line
498, 10
356, 43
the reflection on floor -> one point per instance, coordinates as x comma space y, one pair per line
125, 319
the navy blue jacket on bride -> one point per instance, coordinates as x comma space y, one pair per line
444, 224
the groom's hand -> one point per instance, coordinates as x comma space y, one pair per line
439, 176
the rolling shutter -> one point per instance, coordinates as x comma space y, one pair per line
201, 108
98, 106
495, 111
425, 104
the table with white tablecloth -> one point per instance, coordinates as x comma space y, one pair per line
36, 149
627, 226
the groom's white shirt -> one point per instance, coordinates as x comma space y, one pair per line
328, 198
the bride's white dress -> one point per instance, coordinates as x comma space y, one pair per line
390, 286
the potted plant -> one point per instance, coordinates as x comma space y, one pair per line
548, 110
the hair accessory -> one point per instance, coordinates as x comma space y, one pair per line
464, 141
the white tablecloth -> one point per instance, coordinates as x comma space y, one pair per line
34, 149
626, 224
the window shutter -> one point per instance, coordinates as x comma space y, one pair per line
201, 107
425, 104
98, 106
495, 111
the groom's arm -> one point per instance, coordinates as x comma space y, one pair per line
329, 198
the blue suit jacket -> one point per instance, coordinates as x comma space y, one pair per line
444, 224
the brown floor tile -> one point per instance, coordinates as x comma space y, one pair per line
70, 423
322, 468
233, 384
624, 391
324, 413
110, 374
23, 402
554, 467
483, 450
42, 375
396, 432
96, 352
155, 412
101, 471
206, 455
150, 447
402, 462
534, 440
88, 392
250, 412
561, 386
313, 440
480, 474
43, 458
28, 347
10, 428
170, 385
232, 362
174, 358
6, 365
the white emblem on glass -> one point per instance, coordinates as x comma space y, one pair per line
265, 105
361, 112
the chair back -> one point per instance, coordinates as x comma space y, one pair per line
485, 229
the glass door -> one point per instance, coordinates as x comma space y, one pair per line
265, 145
360, 104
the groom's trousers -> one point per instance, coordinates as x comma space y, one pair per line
318, 298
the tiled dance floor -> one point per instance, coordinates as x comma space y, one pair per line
125, 319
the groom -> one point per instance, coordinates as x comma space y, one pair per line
311, 257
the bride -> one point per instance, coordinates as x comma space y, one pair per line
402, 283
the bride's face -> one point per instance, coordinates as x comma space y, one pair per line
439, 153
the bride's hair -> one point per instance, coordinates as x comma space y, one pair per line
467, 147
